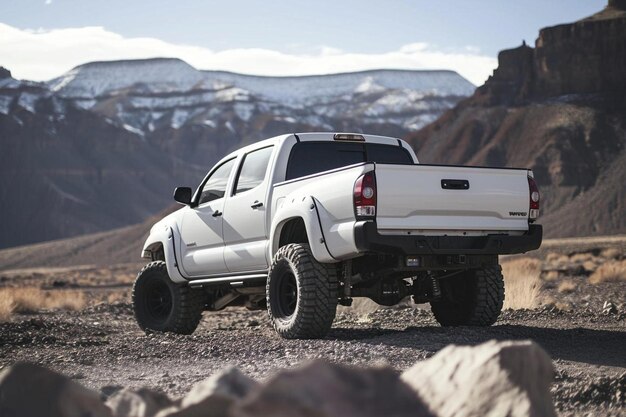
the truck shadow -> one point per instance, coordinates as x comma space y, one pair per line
596, 347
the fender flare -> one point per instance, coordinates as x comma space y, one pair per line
305, 208
166, 235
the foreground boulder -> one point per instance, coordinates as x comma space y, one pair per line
143, 402
325, 389
510, 378
214, 396
28, 390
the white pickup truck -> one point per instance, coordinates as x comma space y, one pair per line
302, 222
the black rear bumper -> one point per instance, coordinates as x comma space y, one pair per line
368, 239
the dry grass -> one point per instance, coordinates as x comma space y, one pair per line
31, 299
522, 283
553, 257
551, 275
611, 253
580, 258
6, 307
611, 271
567, 287
590, 266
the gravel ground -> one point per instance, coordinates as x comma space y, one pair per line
102, 347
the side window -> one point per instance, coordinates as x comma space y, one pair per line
253, 169
215, 186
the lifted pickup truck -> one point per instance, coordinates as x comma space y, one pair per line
302, 222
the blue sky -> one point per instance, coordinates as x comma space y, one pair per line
461, 35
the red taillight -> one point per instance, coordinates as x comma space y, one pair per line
534, 199
365, 195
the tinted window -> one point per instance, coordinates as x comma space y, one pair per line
386, 154
253, 169
215, 187
311, 157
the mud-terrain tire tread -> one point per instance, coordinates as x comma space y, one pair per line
482, 305
317, 294
188, 302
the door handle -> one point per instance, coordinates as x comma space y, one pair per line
217, 213
256, 204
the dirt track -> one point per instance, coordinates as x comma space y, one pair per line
102, 347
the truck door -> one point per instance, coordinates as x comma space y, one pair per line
201, 231
245, 214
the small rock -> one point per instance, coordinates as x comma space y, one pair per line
143, 402
29, 390
510, 378
609, 308
214, 396
109, 390
324, 389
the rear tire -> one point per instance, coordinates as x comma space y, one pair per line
301, 293
473, 298
163, 306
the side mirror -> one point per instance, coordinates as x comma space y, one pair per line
183, 195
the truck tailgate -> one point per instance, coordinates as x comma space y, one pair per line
451, 200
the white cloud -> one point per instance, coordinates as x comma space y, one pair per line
44, 54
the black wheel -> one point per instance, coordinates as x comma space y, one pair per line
473, 298
164, 306
301, 293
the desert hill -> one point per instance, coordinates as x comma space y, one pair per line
558, 108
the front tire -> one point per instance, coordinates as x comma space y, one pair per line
163, 306
473, 298
301, 293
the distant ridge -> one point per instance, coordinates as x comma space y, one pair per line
103, 145
95, 79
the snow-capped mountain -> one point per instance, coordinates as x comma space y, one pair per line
103, 145
148, 94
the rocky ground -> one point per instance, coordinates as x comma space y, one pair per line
102, 348
581, 324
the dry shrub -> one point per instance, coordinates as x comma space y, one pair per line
567, 286
553, 257
580, 258
589, 266
522, 283
611, 271
551, 275
31, 299
6, 306
611, 253
563, 306
117, 297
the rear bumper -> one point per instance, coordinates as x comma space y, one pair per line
368, 239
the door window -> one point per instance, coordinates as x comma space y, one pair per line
253, 169
215, 186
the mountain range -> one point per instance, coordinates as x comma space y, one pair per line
103, 145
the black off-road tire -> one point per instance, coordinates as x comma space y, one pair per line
307, 310
162, 305
472, 298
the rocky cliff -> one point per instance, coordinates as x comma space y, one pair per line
558, 108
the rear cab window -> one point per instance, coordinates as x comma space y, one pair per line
308, 158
